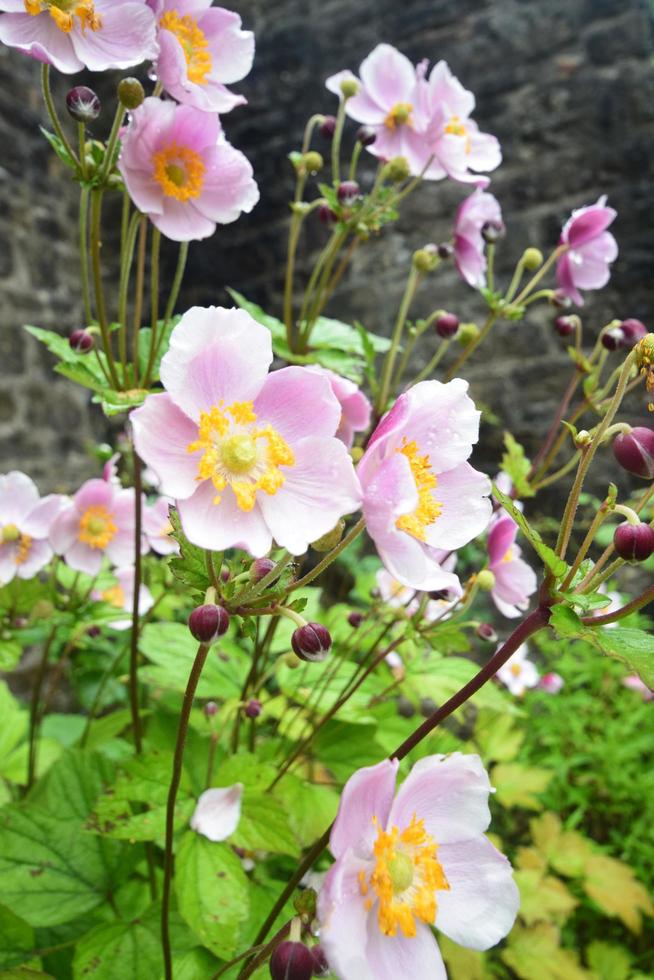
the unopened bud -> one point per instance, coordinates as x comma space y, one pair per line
208, 622
348, 192
583, 439
320, 964
446, 250
260, 568
326, 215
405, 708
427, 707
313, 162
634, 451
467, 333
83, 104
291, 661
633, 331
253, 708
532, 259
328, 127
565, 325
349, 87
355, 619
366, 135
93, 632
329, 541
311, 642
291, 961
210, 709
486, 633
492, 232
559, 300
130, 93
613, 339
398, 169
447, 325
425, 259
634, 542
81, 341
485, 580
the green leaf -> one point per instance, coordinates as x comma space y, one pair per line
633, 647
614, 887
117, 402
164, 331
212, 892
16, 939
585, 603
556, 565
462, 964
59, 148
516, 465
535, 954
264, 826
136, 946
609, 962
310, 808
190, 566
330, 333
497, 736
171, 650
543, 898
565, 622
518, 785
567, 851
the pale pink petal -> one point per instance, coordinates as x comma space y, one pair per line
565, 280
388, 76
297, 403
344, 921
445, 88
229, 189
65, 528
515, 582
392, 957
83, 558
38, 556
39, 37
485, 152
18, 496
235, 46
181, 221
218, 812
127, 36
41, 518
224, 525
120, 550
94, 493
162, 434
7, 564
587, 224
365, 804
125, 577
501, 537
466, 508
483, 901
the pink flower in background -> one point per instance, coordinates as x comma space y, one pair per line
591, 249
200, 49
634, 683
98, 521
121, 595
519, 673
110, 470
157, 527
472, 215
394, 593
421, 497
182, 173
551, 683
408, 860
515, 581
247, 456
355, 407
25, 522
218, 812
95, 34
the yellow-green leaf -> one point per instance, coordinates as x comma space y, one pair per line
565, 850
543, 898
535, 954
609, 962
617, 891
518, 785
462, 964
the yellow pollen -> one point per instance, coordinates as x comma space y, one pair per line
179, 171
399, 115
96, 527
194, 44
516, 670
64, 12
238, 454
455, 127
509, 556
428, 509
115, 596
405, 879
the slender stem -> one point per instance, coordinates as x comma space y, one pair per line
134, 636
354, 162
544, 269
435, 361
336, 141
515, 280
211, 571
96, 245
325, 259
104, 680
81, 140
595, 525
641, 600
472, 347
84, 253
553, 477
266, 951
155, 254
321, 292
606, 554
138, 298
490, 266
34, 708
597, 580
170, 306
253, 591
127, 254
329, 557
110, 151
52, 112
178, 760
412, 284
573, 383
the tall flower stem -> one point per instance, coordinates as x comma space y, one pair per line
96, 265
387, 372
52, 112
110, 151
138, 299
127, 255
134, 637
168, 315
472, 347
336, 141
34, 707
84, 253
330, 557
640, 600
556, 424
182, 731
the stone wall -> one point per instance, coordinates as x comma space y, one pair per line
567, 86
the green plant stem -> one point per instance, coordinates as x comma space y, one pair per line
325, 257
336, 141
409, 346
638, 603
354, 161
255, 590
127, 255
595, 525
490, 266
544, 269
553, 430
110, 151
84, 253
182, 731
81, 140
557, 475
468, 351
518, 273
434, 362
52, 112
598, 579
96, 265
170, 306
155, 255
104, 680
34, 708
608, 551
134, 635
331, 556
266, 950
138, 297
321, 294
412, 284
211, 571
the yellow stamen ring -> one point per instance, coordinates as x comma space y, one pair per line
64, 12
428, 509
96, 527
399, 115
194, 44
179, 171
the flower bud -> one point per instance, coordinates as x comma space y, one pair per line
349, 87
210, 709
348, 192
326, 215
467, 333
532, 259
208, 622
425, 259
446, 250
331, 539
634, 542
355, 619
634, 451
260, 568
427, 707
328, 127
291, 661
313, 162
405, 708
81, 341
559, 300
130, 93
492, 232
291, 961
633, 331
311, 642
83, 104
253, 708
366, 135
614, 338
398, 169
320, 964
447, 325
486, 580
565, 325
583, 438
486, 633
93, 631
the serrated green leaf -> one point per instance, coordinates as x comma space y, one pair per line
136, 946
16, 939
543, 898
264, 826
190, 566
516, 465
557, 565
59, 148
171, 650
519, 785
565, 621
617, 891
633, 647
535, 953
608, 961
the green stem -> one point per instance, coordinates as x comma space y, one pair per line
34, 708
595, 525
107, 163
155, 254
336, 142
170, 306
52, 112
435, 361
412, 284
544, 269
138, 298
641, 600
472, 347
254, 590
84, 253
134, 636
329, 557
127, 255
96, 245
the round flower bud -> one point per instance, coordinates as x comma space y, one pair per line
313, 162
81, 341
225, 574
326, 215
311, 642
328, 127
425, 259
445, 250
291, 961
634, 542
260, 568
349, 87
93, 631
492, 232
486, 580
83, 104
633, 331
130, 93
467, 333
564, 325
398, 169
447, 325
613, 339
320, 964
366, 135
405, 708
253, 708
210, 709
486, 633
634, 451
427, 707
348, 192
532, 259
355, 619
208, 622
559, 300
331, 539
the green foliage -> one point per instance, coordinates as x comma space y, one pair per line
516, 466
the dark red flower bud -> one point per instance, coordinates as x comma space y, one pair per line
634, 542
208, 622
260, 568
492, 232
633, 331
614, 338
404, 707
486, 633
253, 708
427, 707
81, 341
320, 964
291, 961
311, 642
83, 104
564, 325
445, 250
326, 215
447, 325
348, 192
366, 135
328, 127
93, 631
355, 619
634, 451
225, 574
210, 709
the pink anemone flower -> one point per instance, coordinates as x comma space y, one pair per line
200, 49
515, 581
121, 595
70, 36
551, 683
409, 860
25, 522
247, 456
157, 527
355, 406
98, 521
519, 673
421, 497
182, 173
591, 249
477, 211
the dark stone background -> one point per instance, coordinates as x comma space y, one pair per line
567, 86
